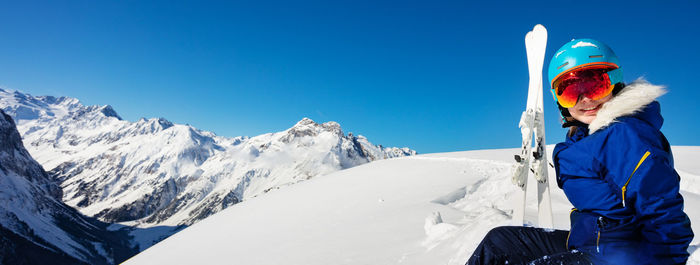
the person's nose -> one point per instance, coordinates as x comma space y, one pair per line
583, 99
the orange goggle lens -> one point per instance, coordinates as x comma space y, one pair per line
591, 83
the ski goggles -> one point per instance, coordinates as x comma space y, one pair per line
593, 83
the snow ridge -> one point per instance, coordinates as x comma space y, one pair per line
33, 218
154, 172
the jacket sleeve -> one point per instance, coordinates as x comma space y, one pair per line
655, 188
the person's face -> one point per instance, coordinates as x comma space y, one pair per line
586, 109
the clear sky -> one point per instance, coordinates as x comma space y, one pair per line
435, 76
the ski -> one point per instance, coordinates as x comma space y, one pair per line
532, 124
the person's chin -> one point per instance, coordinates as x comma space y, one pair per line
588, 119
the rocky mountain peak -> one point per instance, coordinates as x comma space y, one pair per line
305, 122
108, 111
36, 227
333, 127
308, 127
153, 172
14, 157
6, 133
305, 127
66, 101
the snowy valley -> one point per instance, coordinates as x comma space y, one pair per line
153, 177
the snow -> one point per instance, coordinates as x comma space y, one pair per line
101, 250
152, 172
18, 204
28, 205
146, 237
427, 209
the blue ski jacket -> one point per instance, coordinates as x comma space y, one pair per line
618, 174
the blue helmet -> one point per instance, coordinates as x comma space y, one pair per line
584, 53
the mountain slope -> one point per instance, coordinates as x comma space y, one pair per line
153, 172
36, 227
427, 209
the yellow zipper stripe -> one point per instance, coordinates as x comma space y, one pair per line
597, 242
624, 188
567, 236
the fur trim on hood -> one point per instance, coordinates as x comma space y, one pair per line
631, 99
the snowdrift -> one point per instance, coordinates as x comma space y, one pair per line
427, 209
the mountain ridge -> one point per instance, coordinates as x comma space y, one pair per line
34, 220
153, 172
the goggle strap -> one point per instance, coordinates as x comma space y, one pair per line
554, 95
615, 76
618, 87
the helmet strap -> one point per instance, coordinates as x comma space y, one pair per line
573, 122
618, 87
564, 111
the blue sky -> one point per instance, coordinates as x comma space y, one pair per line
435, 76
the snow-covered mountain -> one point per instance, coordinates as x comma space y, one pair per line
425, 209
35, 226
153, 172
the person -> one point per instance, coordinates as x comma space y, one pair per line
615, 167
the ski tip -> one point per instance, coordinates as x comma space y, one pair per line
539, 27
537, 30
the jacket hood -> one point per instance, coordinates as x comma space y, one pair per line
635, 98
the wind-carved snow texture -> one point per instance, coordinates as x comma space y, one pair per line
486, 201
36, 227
428, 209
153, 172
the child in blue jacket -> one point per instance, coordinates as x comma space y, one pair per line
615, 167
